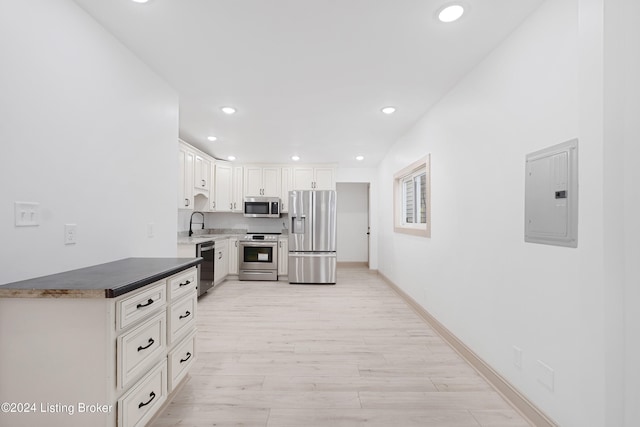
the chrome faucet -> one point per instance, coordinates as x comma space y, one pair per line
191, 222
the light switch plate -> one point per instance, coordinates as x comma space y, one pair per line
27, 214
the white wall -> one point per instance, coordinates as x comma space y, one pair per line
476, 274
90, 133
353, 222
631, 133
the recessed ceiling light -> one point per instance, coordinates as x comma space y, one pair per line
139, 1
295, 158
450, 13
389, 110
212, 138
231, 158
228, 110
359, 158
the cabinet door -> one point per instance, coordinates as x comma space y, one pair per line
212, 187
185, 186
238, 190
324, 179
224, 260
202, 173
221, 262
233, 255
283, 257
286, 186
223, 188
271, 182
252, 181
303, 178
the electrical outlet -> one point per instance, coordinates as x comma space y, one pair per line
545, 375
27, 214
70, 234
150, 230
517, 357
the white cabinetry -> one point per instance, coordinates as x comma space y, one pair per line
185, 187
286, 186
261, 181
229, 191
314, 178
123, 354
202, 175
233, 255
221, 261
283, 256
237, 196
223, 187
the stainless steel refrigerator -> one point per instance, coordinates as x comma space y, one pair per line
312, 237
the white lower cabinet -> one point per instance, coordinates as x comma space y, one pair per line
283, 257
221, 261
140, 403
157, 348
233, 255
180, 360
182, 317
122, 355
139, 348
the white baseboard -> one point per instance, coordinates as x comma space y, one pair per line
352, 264
520, 403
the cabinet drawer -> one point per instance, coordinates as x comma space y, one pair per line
138, 405
182, 317
180, 360
139, 348
136, 307
182, 283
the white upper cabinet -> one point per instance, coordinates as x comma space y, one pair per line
211, 185
223, 187
185, 187
261, 181
202, 175
237, 193
314, 178
325, 178
286, 186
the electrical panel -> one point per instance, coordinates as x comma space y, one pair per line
551, 195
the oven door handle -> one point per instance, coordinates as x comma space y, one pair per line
260, 244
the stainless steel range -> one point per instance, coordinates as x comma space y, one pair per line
259, 256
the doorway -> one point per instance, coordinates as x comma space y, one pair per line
353, 223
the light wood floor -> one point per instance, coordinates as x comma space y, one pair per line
354, 354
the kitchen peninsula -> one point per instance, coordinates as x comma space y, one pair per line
108, 344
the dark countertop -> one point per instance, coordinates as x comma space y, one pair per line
108, 280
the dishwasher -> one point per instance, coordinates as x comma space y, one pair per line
206, 250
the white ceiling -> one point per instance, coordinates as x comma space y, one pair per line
307, 77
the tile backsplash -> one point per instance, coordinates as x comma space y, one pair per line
234, 221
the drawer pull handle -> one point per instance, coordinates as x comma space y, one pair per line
152, 395
151, 341
188, 357
149, 302
185, 315
184, 284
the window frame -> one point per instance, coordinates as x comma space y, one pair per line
412, 171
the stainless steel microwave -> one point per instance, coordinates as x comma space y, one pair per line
262, 207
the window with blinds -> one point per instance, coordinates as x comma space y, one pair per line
412, 205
